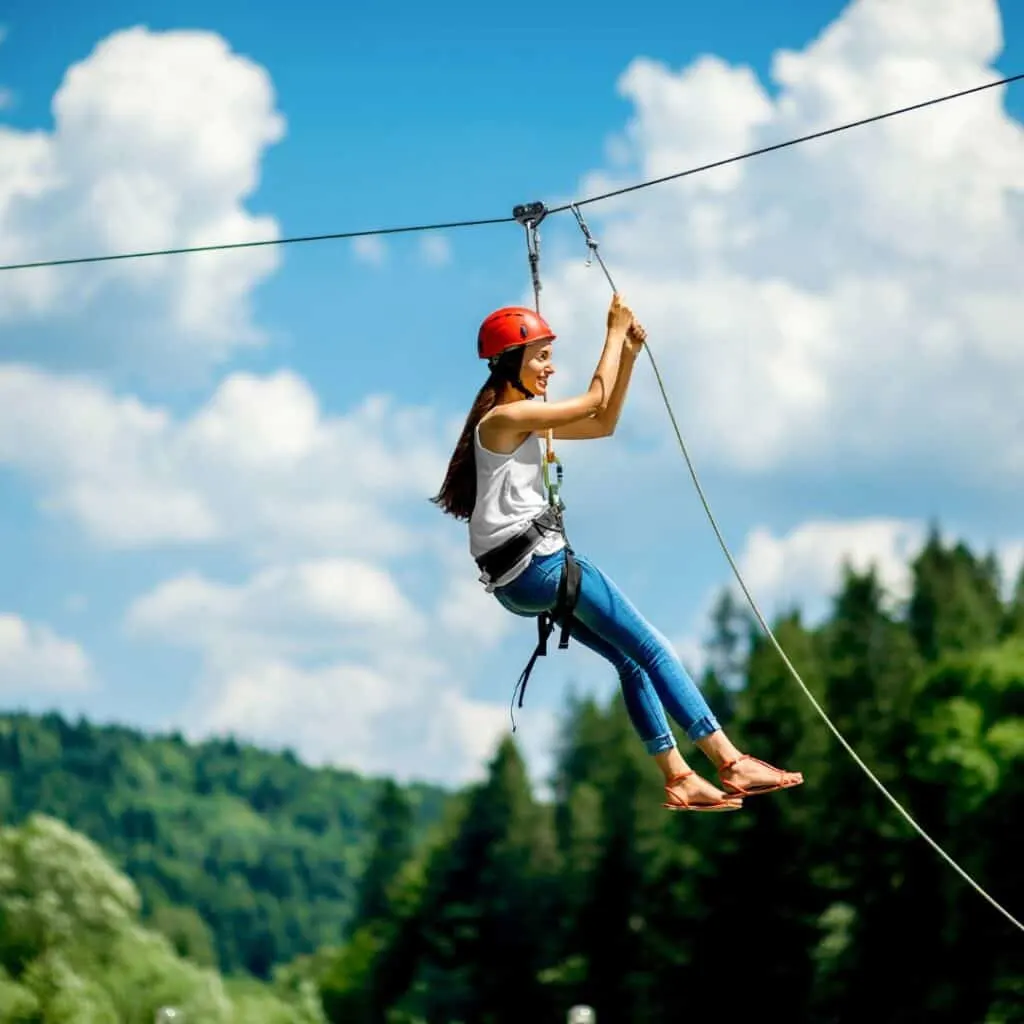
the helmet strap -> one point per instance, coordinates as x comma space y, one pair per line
499, 368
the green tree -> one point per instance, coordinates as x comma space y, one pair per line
393, 845
187, 932
486, 907
72, 947
955, 604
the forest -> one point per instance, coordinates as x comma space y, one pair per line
224, 873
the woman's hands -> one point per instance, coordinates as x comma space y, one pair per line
620, 316
635, 338
623, 322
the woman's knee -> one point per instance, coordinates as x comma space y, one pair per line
629, 671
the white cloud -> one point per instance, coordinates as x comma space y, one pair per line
435, 250
803, 569
399, 720
805, 566
259, 466
333, 658
850, 299
324, 606
370, 249
156, 144
34, 659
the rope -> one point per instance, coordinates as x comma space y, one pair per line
592, 244
505, 220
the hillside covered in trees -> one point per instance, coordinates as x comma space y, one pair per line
493, 906
245, 858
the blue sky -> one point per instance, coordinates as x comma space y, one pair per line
808, 421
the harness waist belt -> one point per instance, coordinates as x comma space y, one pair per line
498, 561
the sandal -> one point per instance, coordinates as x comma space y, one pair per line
679, 803
758, 790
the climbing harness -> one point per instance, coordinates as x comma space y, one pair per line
593, 251
498, 561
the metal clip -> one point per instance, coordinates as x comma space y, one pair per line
592, 252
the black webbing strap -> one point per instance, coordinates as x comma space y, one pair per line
562, 613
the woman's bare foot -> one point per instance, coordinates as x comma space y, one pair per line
747, 776
691, 792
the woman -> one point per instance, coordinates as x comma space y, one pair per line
495, 482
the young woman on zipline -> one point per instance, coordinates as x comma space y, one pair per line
495, 481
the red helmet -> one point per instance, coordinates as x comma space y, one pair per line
509, 327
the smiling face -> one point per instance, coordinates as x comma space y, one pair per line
537, 366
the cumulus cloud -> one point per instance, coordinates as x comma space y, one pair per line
258, 467
400, 720
805, 565
802, 568
34, 659
156, 144
316, 607
334, 658
854, 298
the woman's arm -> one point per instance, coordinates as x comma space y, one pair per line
525, 417
603, 424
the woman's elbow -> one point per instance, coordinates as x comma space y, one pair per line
597, 399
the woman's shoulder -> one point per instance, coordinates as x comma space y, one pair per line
500, 440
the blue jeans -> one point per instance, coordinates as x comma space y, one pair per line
651, 674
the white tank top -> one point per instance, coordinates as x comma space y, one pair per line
509, 493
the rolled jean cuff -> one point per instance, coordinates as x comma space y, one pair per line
658, 745
703, 727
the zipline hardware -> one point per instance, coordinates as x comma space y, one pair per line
530, 215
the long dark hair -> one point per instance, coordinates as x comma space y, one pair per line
458, 492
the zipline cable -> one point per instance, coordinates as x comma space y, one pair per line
592, 244
783, 145
505, 220
260, 242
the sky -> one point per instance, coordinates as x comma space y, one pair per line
214, 468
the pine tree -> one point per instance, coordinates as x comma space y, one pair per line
487, 916
956, 604
393, 831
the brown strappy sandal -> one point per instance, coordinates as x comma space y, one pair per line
679, 803
764, 787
